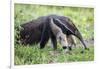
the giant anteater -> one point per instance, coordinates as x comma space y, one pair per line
39, 30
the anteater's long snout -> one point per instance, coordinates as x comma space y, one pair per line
78, 34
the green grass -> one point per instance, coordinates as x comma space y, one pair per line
83, 18
33, 55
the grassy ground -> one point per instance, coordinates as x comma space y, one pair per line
33, 55
83, 18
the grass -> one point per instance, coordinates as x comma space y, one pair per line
83, 18
33, 55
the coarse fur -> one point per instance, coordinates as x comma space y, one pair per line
68, 27
71, 42
39, 30
57, 32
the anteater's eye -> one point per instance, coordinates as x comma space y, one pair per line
60, 38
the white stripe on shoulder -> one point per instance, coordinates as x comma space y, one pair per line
64, 25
